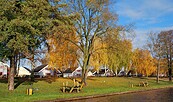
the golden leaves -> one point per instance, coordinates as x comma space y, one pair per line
143, 62
99, 57
62, 53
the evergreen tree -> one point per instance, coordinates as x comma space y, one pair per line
25, 26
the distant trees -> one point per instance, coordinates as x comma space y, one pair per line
119, 52
154, 47
161, 47
112, 51
166, 43
143, 62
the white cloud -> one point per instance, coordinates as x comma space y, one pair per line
148, 15
140, 39
142, 35
144, 9
158, 29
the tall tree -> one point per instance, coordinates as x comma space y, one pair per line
93, 22
166, 44
24, 25
119, 50
16, 32
112, 51
154, 46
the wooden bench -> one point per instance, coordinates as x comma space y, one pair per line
76, 86
144, 84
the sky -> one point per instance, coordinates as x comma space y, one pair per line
146, 15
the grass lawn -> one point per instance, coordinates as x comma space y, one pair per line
49, 88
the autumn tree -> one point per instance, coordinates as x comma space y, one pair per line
166, 44
163, 67
124, 53
112, 51
161, 47
119, 50
154, 46
94, 20
100, 55
143, 62
62, 53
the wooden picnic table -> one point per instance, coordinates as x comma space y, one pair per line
145, 84
76, 86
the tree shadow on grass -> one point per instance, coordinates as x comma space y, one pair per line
3, 80
26, 81
46, 79
19, 81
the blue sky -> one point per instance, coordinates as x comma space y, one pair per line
146, 15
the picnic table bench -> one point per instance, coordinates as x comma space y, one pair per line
144, 84
76, 86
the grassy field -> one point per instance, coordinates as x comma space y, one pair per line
49, 88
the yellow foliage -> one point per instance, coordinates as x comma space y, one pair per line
62, 53
143, 62
111, 51
99, 56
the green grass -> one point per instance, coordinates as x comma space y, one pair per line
50, 88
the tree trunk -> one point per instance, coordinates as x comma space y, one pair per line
158, 69
85, 68
170, 74
84, 74
170, 68
11, 74
32, 71
84, 77
15, 64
